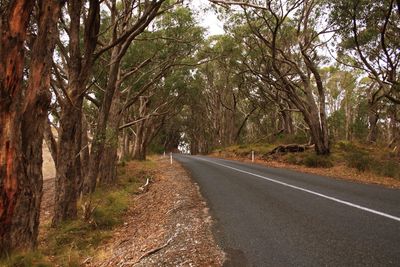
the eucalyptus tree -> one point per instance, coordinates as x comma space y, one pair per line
72, 72
147, 64
140, 20
28, 30
80, 47
288, 35
369, 41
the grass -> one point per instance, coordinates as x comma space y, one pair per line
34, 258
73, 241
316, 161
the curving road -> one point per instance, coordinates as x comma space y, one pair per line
276, 217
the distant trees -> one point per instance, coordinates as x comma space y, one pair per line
285, 48
286, 36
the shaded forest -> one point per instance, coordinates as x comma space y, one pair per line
104, 82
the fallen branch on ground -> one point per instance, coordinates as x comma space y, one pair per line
150, 252
154, 250
144, 187
293, 148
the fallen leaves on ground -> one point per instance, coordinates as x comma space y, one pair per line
169, 225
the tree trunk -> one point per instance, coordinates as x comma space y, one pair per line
100, 135
85, 147
109, 160
22, 120
108, 165
79, 65
373, 125
138, 153
68, 173
287, 122
125, 145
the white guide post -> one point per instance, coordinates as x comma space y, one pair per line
164, 154
170, 157
252, 156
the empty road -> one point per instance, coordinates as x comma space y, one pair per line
275, 217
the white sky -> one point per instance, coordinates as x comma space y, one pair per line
207, 17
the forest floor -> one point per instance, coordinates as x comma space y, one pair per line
358, 163
165, 223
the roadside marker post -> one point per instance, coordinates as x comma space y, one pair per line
252, 156
164, 154
170, 156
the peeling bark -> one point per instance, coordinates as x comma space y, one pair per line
23, 113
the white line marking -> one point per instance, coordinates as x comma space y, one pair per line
311, 192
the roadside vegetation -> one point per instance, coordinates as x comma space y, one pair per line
75, 241
354, 158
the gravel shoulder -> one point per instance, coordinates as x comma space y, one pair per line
169, 225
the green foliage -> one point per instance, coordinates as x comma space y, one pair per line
317, 161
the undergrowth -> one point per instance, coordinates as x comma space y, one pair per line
357, 156
73, 241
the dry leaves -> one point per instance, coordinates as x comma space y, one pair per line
168, 225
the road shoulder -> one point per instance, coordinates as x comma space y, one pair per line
169, 225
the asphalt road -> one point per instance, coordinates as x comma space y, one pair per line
276, 217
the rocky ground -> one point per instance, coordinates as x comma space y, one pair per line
169, 225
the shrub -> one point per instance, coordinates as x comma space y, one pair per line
293, 159
388, 168
25, 260
317, 161
346, 146
360, 161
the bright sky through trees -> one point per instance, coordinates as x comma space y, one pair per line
207, 17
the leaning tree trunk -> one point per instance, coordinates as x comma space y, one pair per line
319, 138
97, 149
22, 118
286, 122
